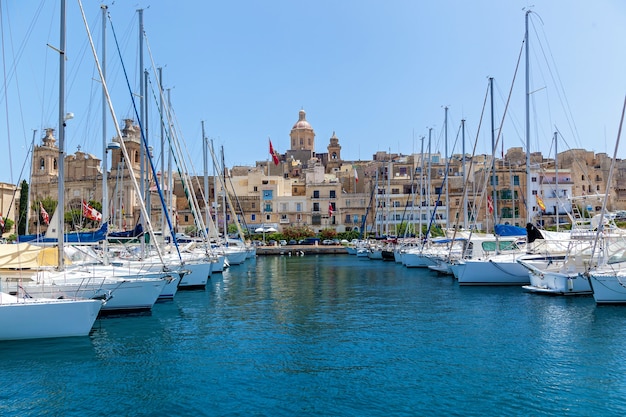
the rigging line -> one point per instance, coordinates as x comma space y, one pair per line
557, 82
118, 131
176, 152
6, 96
608, 181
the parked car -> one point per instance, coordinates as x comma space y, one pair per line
310, 241
292, 242
282, 242
327, 242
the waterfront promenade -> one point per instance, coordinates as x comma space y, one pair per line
296, 250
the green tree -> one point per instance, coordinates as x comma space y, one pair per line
328, 233
298, 232
23, 209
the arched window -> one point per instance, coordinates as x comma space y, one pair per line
42, 164
136, 159
309, 141
301, 141
334, 156
54, 164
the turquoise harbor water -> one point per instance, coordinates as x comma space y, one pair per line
331, 336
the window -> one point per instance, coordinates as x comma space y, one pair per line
534, 192
333, 194
284, 218
253, 205
355, 218
533, 179
348, 218
582, 177
42, 164
395, 191
494, 180
437, 190
267, 194
597, 187
54, 164
316, 206
298, 206
309, 141
256, 188
316, 219
583, 188
268, 207
515, 179
301, 142
186, 217
284, 207
316, 194
268, 217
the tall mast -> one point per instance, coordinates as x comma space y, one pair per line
430, 131
224, 196
162, 159
421, 187
205, 159
142, 151
528, 179
105, 159
61, 162
464, 176
556, 179
446, 165
493, 158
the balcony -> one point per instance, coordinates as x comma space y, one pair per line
284, 221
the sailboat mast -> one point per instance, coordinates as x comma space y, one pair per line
556, 180
30, 189
205, 160
421, 187
162, 159
430, 131
445, 126
464, 176
224, 195
528, 180
105, 191
61, 162
142, 152
493, 158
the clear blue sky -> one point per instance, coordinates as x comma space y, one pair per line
378, 74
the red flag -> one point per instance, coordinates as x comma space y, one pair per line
44, 214
356, 175
90, 212
330, 209
274, 154
489, 204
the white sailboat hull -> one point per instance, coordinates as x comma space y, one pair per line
546, 278
138, 291
487, 272
608, 287
37, 319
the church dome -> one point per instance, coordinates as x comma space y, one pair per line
302, 123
